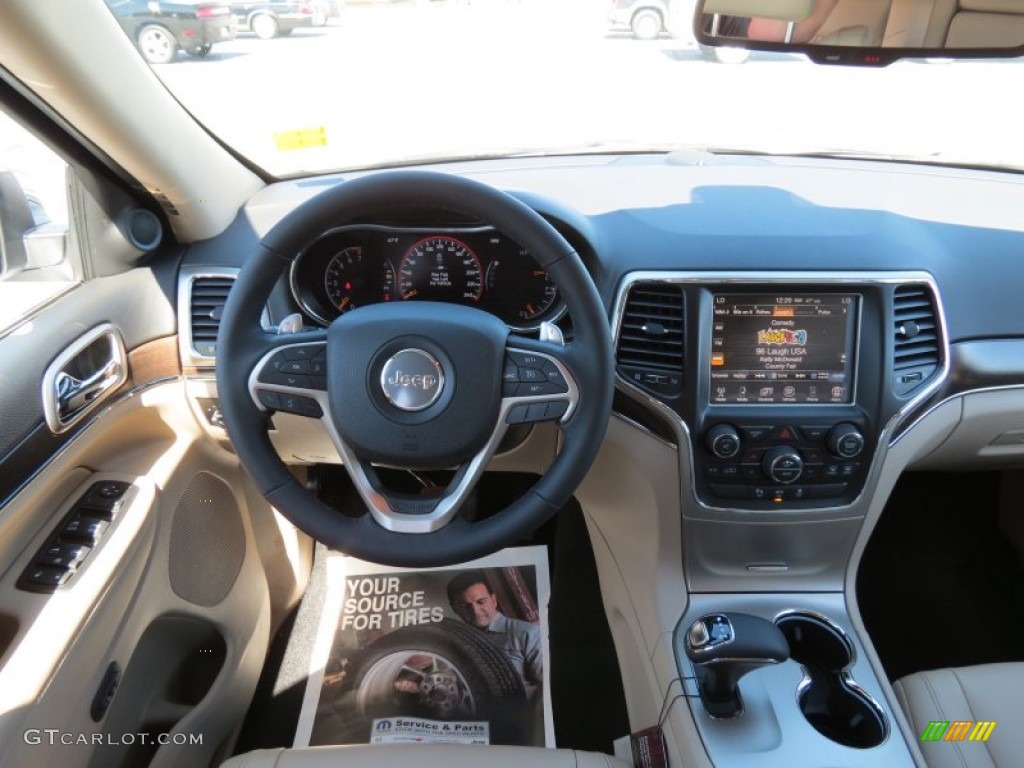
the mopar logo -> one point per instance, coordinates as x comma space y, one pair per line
412, 380
384, 725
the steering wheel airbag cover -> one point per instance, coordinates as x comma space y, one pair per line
468, 343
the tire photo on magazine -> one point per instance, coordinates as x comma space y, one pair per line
452, 654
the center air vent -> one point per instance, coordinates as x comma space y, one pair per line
650, 344
916, 351
208, 297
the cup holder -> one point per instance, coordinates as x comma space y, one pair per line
829, 698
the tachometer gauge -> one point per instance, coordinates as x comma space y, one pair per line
519, 291
440, 269
348, 282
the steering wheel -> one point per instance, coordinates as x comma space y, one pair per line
416, 384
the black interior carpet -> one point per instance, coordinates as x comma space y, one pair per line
939, 586
588, 702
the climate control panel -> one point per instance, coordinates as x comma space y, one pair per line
764, 465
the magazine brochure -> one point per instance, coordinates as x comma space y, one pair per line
455, 654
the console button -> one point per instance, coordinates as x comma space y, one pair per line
814, 433
751, 472
723, 441
752, 456
787, 434
755, 434
783, 464
845, 441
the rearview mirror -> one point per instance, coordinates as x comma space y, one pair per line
866, 32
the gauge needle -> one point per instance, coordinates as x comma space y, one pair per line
530, 309
410, 294
539, 273
344, 303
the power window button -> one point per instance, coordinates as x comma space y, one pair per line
83, 528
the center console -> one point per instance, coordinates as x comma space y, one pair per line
784, 381
783, 394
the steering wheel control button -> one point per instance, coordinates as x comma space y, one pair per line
537, 389
412, 380
268, 399
299, 405
556, 410
295, 366
554, 376
304, 352
296, 380
528, 413
527, 359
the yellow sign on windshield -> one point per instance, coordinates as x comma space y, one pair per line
304, 138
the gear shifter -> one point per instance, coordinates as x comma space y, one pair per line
723, 648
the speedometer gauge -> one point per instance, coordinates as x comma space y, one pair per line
440, 269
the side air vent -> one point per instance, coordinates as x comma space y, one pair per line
649, 353
916, 352
207, 305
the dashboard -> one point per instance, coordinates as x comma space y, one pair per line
359, 265
791, 351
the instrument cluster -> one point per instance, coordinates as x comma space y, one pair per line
358, 265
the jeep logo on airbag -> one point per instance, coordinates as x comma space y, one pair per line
412, 380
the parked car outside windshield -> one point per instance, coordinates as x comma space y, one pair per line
161, 29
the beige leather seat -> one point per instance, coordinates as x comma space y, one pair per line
987, 693
423, 756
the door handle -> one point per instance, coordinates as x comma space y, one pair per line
74, 394
84, 375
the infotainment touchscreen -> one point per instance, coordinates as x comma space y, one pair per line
788, 348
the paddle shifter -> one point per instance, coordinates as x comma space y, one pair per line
723, 648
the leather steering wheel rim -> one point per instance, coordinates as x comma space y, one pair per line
242, 342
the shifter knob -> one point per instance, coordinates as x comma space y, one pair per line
723, 647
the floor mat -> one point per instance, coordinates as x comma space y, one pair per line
938, 585
588, 702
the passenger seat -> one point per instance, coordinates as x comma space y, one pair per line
423, 756
987, 23
986, 693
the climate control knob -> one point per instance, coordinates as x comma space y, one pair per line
783, 464
723, 441
845, 441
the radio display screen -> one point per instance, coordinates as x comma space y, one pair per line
772, 348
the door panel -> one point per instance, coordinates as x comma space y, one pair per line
185, 623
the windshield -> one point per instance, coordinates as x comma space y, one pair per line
305, 87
